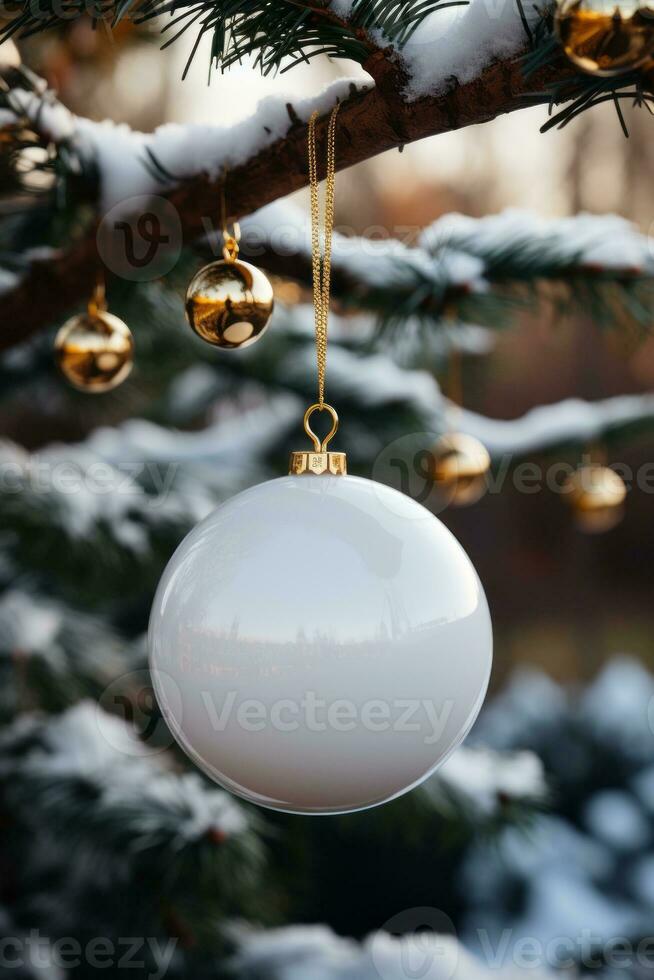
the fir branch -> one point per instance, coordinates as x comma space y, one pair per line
484, 271
117, 818
373, 120
51, 656
48, 177
270, 31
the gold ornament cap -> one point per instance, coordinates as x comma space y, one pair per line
319, 462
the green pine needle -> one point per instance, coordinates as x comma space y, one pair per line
580, 92
269, 31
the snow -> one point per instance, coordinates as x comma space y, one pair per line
592, 871
484, 777
558, 868
87, 743
196, 809
7, 118
26, 624
590, 241
377, 263
50, 117
642, 879
643, 787
459, 251
375, 380
565, 905
341, 7
138, 477
186, 151
618, 707
299, 952
229, 448
82, 492
528, 702
8, 281
456, 44
226, 443
76, 744
549, 425
616, 818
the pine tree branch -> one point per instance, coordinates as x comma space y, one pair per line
483, 271
370, 123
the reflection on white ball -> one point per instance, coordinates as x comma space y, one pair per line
320, 644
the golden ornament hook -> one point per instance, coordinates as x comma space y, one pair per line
320, 460
321, 447
98, 301
230, 239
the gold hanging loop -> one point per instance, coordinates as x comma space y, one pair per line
321, 447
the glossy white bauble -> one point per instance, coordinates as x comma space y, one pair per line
320, 644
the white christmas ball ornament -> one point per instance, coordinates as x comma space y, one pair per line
320, 644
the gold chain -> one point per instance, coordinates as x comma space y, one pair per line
322, 262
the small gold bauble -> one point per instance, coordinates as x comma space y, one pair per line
94, 351
229, 304
459, 466
606, 39
596, 494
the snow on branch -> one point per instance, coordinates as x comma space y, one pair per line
59, 654
137, 488
519, 243
569, 421
88, 769
133, 163
467, 263
484, 782
315, 951
266, 160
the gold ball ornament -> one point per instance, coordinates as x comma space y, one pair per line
94, 351
596, 494
606, 39
459, 466
229, 304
